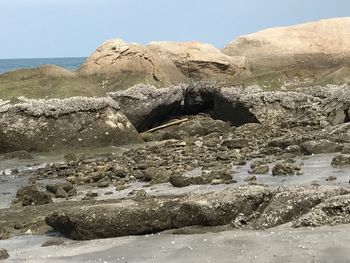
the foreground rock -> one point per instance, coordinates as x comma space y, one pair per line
3, 254
43, 125
333, 211
254, 206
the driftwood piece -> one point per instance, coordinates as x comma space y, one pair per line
167, 125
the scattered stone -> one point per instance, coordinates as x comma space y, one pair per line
331, 178
60, 193
250, 178
91, 194
284, 168
320, 146
4, 254
30, 195
53, 242
341, 160
103, 184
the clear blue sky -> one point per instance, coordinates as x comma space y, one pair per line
64, 28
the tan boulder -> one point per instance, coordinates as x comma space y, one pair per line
200, 61
313, 51
117, 65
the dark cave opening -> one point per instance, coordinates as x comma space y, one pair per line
198, 101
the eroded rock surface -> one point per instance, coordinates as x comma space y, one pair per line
254, 206
75, 122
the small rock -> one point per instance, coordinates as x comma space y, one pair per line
284, 168
91, 194
250, 178
29, 195
103, 184
331, 178
341, 160
141, 193
4, 254
60, 193
53, 242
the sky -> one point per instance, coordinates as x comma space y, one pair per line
75, 28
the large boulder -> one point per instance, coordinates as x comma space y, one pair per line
304, 54
335, 210
255, 207
200, 61
146, 105
75, 122
241, 105
119, 65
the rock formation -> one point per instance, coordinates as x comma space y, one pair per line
316, 52
200, 61
74, 122
117, 65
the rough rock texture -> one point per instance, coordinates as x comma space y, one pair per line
146, 105
74, 122
29, 195
3, 254
297, 55
333, 211
247, 105
200, 61
119, 65
254, 206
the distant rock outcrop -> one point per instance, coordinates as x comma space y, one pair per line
199, 61
48, 81
312, 52
41, 125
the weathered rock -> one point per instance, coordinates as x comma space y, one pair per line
75, 122
53, 242
296, 55
255, 207
206, 178
28, 195
290, 203
4, 254
199, 61
341, 160
241, 105
144, 216
284, 168
146, 105
60, 193
66, 186
335, 210
119, 65
320, 146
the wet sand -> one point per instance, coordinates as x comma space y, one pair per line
282, 244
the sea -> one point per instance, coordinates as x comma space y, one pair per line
20, 63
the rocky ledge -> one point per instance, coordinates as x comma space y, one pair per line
41, 125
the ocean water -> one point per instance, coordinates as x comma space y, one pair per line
13, 64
